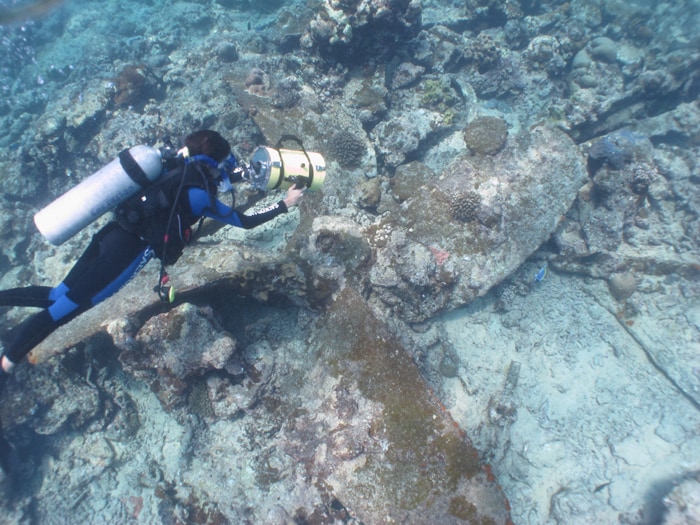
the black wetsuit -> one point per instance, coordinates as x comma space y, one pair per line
113, 257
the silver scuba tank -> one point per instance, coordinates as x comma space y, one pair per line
133, 170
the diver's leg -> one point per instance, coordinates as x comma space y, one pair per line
27, 335
36, 328
121, 256
114, 257
86, 261
34, 296
45, 296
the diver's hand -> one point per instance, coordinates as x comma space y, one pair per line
294, 196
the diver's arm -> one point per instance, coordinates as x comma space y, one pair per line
294, 196
201, 205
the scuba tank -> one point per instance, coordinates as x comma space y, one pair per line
133, 170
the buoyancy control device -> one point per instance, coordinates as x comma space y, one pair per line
133, 170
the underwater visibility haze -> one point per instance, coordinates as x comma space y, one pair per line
486, 311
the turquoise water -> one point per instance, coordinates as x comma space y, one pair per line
601, 424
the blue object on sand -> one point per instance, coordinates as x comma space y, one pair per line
542, 273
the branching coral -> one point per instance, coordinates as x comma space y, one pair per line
347, 148
465, 205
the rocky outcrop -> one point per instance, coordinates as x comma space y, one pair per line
432, 255
342, 427
354, 30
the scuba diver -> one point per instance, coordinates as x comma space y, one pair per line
181, 198
156, 222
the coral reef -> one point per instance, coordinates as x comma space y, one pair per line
622, 285
683, 503
367, 96
288, 383
495, 9
347, 148
227, 51
286, 93
406, 74
486, 135
484, 52
170, 367
618, 149
356, 30
134, 84
465, 205
252, 5
400, 136
369, 194
438, 94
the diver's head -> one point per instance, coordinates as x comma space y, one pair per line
209, 143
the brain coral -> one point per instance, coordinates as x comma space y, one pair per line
465, 205
348, 149
486, 135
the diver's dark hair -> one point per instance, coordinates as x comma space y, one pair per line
209, 143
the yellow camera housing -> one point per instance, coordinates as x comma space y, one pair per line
283, 168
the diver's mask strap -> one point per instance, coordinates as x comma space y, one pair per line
229, 164
203, 158
225, 168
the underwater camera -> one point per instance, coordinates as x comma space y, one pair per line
272, 168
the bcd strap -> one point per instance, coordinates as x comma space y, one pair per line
132, 169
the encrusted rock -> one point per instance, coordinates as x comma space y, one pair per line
484, 52
406, 74
523, 195
51, 399
227, 51
408, 179
287, 93
366, 96
622, 285
125, 417
183, 343
401, 135
683, 503
369, 194
618, 149
13, 218
603, 48
337, 241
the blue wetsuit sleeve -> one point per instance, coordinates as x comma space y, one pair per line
200, 204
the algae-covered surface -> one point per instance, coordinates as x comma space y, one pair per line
426, 463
